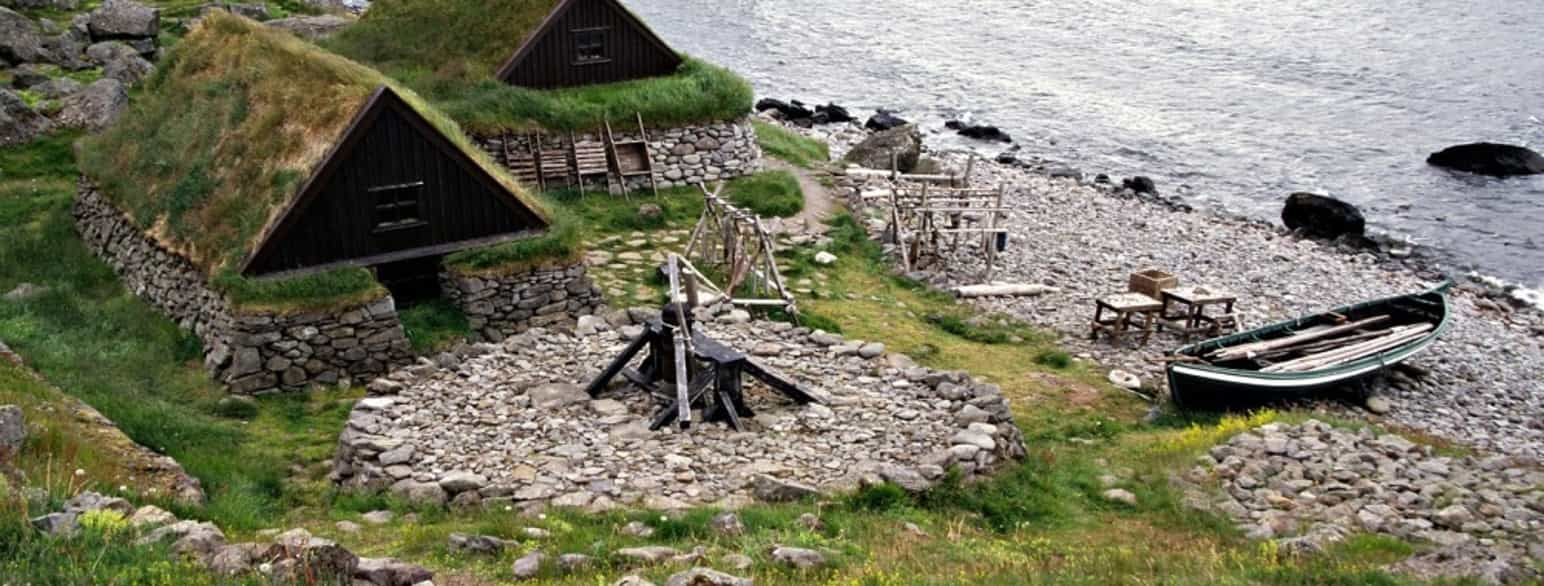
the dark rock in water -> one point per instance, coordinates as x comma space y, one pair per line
986, 133
832, 114
1140, 184
1007, 158
1484, 158
1322, 216
1102, 179
954, 125
788, 110
884, 120
903, 143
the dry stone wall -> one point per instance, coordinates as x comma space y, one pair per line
682, 156
499, 306
250, 352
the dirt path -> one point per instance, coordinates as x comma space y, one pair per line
820, 203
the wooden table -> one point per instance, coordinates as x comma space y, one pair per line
1184, 310
1126, 307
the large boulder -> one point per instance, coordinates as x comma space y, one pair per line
55, 89
904, 144
128, 69
20, 39
1321, 216
96, 106
108, 51
884, 120
311, 27
1484, 158
68, 50
19, 123
124, 19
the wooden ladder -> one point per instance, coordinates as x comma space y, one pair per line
590, 160
551, 165
632, 157
523, 163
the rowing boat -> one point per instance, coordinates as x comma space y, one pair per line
1309, 355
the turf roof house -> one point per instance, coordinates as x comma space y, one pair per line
570, 52
262, 190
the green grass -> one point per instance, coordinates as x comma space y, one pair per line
98, 342
772, 194
336, 288
790, 146
698, 93
434, 325
562, 243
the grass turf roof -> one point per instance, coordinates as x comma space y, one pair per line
450, 50
227, 130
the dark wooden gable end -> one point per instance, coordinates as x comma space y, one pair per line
584, 42
393, 188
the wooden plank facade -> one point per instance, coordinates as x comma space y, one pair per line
392, 189
584, 42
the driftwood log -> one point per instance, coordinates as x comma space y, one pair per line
1004, 290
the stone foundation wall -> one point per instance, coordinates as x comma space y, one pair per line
250, 352
682, 156
269, 351
499, 306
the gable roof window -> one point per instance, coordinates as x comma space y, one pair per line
590, 46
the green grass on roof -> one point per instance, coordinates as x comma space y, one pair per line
466, 39
449, 51
234, 120
698, 92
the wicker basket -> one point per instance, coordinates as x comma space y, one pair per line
1151, 282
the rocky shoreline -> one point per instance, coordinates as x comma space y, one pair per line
1482, 385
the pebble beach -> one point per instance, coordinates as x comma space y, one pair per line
1481, 385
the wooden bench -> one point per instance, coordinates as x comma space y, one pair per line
1185, 310
1127, 308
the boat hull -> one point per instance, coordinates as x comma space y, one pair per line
1206, 387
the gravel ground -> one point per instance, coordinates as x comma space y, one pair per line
1481, 385
513, 422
